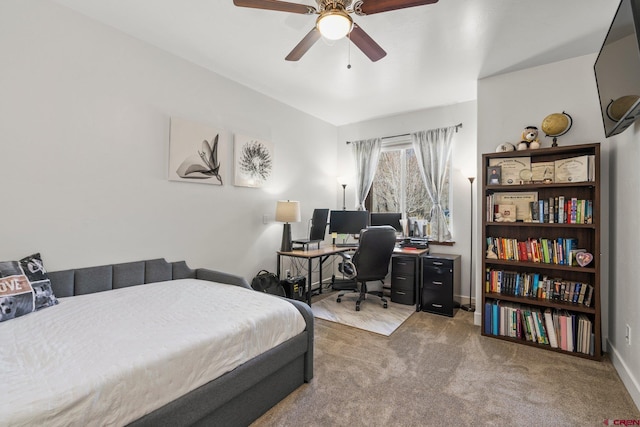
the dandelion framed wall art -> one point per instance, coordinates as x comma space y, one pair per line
253, 161
195, 152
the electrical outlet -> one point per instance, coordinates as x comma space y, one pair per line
627, 336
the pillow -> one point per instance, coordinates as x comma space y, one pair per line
24, 287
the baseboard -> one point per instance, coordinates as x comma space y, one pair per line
477, 318
629, 381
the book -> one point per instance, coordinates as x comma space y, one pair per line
583, 290
487, 318
551, 332
561, 209
541, 211
587, 296
588, 219
533, 206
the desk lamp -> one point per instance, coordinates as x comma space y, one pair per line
287, 212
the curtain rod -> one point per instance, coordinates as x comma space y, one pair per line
459, 125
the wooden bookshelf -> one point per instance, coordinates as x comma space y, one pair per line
503, 304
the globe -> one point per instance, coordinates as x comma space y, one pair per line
556, 124
616, 109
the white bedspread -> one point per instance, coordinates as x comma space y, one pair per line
111, 357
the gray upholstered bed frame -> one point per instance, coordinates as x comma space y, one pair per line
238, 397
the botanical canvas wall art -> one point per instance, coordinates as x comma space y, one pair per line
253, 161
195, 152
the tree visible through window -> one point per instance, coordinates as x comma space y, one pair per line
398, 186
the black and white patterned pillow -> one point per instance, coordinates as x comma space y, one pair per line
24, 287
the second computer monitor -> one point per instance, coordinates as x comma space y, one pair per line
348, 222
387, 218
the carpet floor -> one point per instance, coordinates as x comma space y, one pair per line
435, 370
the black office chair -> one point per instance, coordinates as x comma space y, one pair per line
318, 229
371, 262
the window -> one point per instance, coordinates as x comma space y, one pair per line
398, 186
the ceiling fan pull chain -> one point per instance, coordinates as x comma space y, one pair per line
349, 52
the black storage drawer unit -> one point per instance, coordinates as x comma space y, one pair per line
403, 280
441, 282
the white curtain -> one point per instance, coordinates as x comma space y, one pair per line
433, 152
366, 154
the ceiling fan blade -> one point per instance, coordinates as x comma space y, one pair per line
369, 7
366, 44
281, 6
304, 45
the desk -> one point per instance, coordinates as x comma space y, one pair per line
322, 254
418, 254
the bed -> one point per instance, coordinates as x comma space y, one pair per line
96, 368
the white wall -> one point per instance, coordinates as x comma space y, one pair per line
464, 165
85, 113
624, 291
509, 102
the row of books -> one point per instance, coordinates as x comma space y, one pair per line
560, 251
527, 207
556, 328
561, 210
538, 286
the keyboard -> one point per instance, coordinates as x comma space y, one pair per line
346, 245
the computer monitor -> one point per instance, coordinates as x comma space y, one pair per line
387, 218
318, 224
348, 222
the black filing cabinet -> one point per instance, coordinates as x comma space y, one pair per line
441, 281
403, 279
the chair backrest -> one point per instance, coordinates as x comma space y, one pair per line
374, 252
318, 224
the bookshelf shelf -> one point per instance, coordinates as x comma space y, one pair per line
540, 266
533, 292
536, 224
542, 303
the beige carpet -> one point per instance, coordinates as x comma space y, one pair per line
372, 316
439, 371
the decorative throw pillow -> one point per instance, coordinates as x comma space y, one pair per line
24, 287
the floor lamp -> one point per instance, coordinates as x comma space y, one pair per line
343, 181
470, 307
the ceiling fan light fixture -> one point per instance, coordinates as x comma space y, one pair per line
334, 24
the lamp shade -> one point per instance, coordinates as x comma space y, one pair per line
288, 211
334, 24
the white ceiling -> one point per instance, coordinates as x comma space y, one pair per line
435, 53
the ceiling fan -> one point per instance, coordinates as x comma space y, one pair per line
334, 21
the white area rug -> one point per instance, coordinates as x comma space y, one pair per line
372, 316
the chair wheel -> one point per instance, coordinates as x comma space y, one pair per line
385, 305
339, 299
357, 308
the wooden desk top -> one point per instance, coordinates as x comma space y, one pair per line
410, 251
330, 250
314, 253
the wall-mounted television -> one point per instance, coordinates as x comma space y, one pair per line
617, 70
